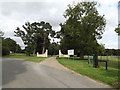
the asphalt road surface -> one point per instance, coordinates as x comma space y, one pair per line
24, 74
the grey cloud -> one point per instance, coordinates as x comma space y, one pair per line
52, 12
21, 7
31, 11
10, 12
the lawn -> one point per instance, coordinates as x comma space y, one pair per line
26, 58
109, 76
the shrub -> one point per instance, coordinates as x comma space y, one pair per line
5, 51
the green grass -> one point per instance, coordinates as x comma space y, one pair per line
112, 60
26, 58
109, 76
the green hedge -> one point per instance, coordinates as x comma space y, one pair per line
5, 51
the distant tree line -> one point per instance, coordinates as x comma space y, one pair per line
9, 45
112, 52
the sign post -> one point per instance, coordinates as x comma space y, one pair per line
71, 52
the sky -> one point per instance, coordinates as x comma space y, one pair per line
14, 13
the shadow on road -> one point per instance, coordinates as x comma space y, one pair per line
10, 69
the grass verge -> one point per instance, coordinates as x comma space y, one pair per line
26, 58
109, 76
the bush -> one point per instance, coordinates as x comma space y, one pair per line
5, 51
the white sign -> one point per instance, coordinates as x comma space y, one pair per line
71, 52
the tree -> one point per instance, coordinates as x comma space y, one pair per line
8, 44
18, 49
34, 35
82, 28
5, 48
11, 44
53, 49
1, 33
112, 52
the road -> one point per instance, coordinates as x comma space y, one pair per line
24, 74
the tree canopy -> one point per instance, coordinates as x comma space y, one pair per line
83, 26
8, 44
53, 49
35, 35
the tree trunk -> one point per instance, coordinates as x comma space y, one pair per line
34, 50
81, 56
82, 52
95, 64
43, 49
43, 46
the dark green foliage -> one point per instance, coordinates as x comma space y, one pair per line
111, 52
1, 34
117, 30
28, 50
53, 49
35, 36
18, 49
5, 48
82, 28
5, 51
11, 44
7, 45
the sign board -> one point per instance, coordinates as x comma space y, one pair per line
71, 52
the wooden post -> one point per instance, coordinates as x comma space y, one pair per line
88, 59
107, 57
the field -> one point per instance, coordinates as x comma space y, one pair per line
26, 58
109, 76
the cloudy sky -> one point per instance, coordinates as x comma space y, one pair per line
15, 13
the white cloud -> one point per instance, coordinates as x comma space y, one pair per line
14, 14
109, 8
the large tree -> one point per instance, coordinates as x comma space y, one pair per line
35, 35
83, 26
1, 34
8, 44
11, 44
5, 47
